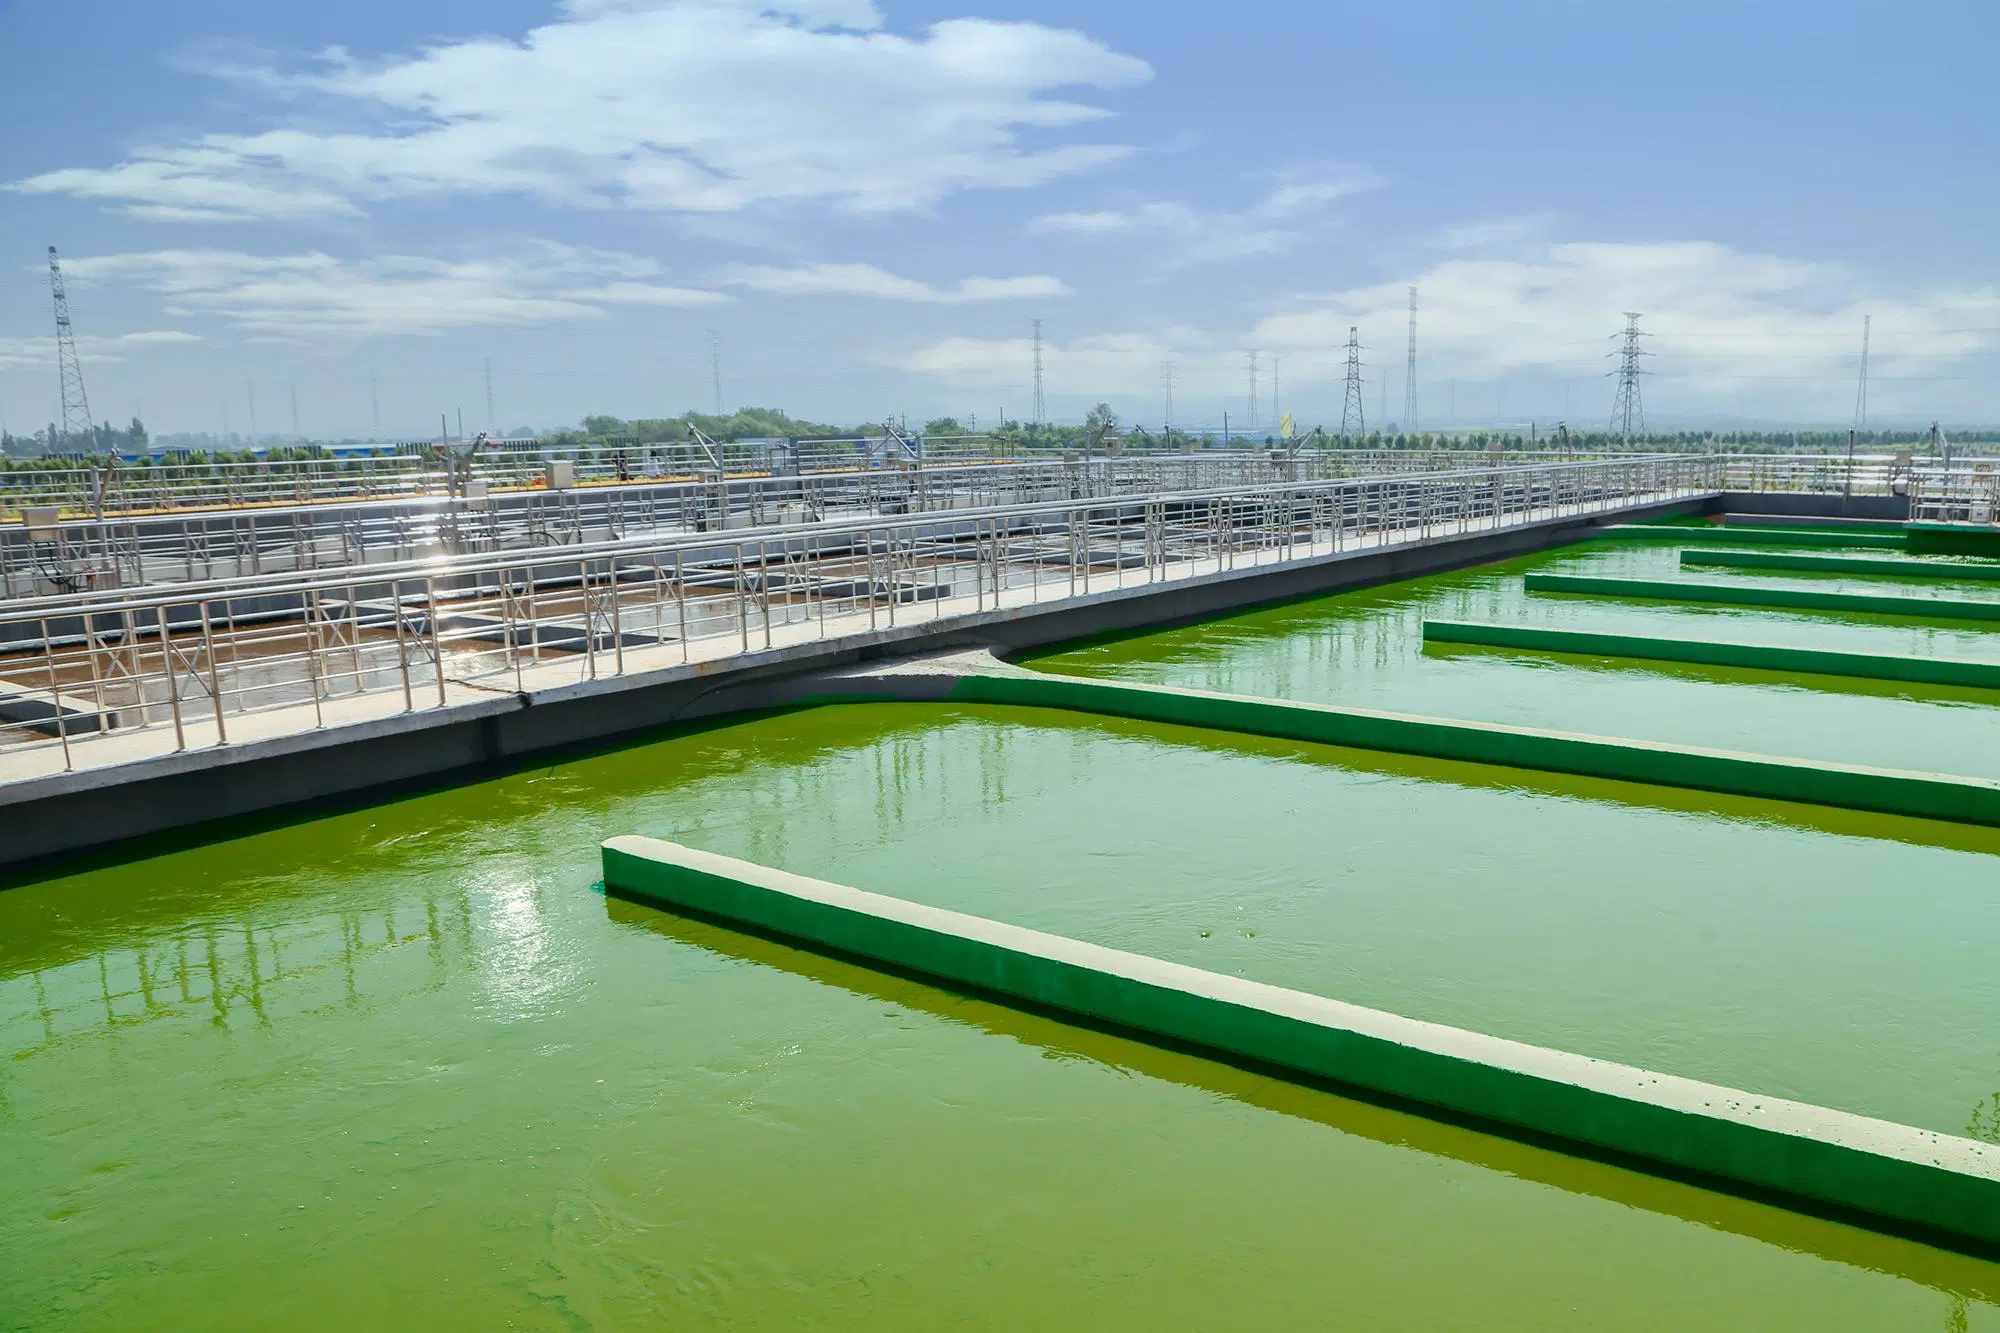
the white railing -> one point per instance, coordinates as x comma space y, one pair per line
114, 676
43, 555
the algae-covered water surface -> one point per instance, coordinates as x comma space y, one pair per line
404, 1067
1366, 648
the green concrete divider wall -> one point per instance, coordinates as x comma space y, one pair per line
1691, 534
1717, 652
1953, 538
1888, 791
1911, 1178
1795, 599
1859, 566
1787, 523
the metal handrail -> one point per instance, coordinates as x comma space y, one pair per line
426, 634
75, 557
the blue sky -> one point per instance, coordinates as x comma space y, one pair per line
869, 203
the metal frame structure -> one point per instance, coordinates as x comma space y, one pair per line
47, 554
108, 677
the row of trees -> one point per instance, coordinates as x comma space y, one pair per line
49, 440
748, 423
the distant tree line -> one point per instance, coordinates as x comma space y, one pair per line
100, 440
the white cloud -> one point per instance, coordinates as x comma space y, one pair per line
314, 294
1094, 365
16, 353
867, 280
700, 106
1495, 233
1713, 314
1289, 210
1730, 332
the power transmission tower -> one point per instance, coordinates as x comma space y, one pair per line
1410, 373
1040, 409
76, 422
1253, 392
715, 367
374, 406
250, 388
1861, 390
1627, 412
295, 411
492, 421
1277, 413
1351, 423
1167, 373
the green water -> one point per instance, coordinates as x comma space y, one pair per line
1366, 649
403, 1068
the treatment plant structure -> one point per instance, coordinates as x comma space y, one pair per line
1593, 849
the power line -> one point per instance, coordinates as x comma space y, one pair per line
76, 420
1352, 425
1410, 373
1040, 408
1861, 390
1628, 413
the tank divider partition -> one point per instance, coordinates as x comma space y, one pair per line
1963, 800
1691, 534
1796, 599
1953, 538
1860, 566
1909, 1179
1718, 652
1823, 523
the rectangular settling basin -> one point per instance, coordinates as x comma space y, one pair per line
1367, 649
401, 1066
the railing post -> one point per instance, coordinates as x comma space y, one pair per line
55, 692
173, 675
214, 675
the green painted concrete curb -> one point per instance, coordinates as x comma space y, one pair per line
1714, 652
1690, 535
1953, 538
1893, 526
1797, 599
1914, 1178
1858, 565
1815, 782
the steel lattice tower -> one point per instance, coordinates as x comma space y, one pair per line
1039, 409
1351, 422
1628, 413
1410, 373
1861, 390
76, 420
1253, 391
492, 421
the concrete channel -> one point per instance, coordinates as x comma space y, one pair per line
68, 811
1221, 908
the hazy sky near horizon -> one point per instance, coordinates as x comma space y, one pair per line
869, 203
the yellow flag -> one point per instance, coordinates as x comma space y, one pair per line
1285, 426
